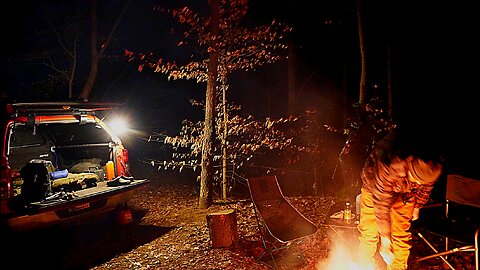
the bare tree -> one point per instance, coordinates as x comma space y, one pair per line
58, 46
97, 50
58, 49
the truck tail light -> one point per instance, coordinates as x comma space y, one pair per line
6, 189
122, 163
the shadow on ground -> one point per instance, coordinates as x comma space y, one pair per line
75, 247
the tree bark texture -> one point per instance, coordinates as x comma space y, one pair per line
222, 228
206, 176
292, 90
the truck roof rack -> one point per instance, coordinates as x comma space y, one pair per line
59, 107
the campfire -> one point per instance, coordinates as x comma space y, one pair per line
343, 252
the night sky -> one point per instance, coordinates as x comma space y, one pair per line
433, 54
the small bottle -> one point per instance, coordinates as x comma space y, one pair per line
347, 213
109, 169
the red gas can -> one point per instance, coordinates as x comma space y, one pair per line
124, 216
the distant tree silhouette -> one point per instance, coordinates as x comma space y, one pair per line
97, 50
57, 44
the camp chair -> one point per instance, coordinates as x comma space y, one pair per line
463, 196
279, 223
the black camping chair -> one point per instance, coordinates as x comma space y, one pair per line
461, 220
279, 223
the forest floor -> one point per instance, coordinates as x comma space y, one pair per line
169, 231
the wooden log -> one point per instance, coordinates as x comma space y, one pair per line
222, 228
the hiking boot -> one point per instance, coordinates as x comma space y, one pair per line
127, 177
118, 181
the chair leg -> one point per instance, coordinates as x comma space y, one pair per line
437, 254
267, 251
476, 248
446, 216
264, 241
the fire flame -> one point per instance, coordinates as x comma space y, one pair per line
341, 258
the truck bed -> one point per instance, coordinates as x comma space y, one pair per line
84, 195
71, 207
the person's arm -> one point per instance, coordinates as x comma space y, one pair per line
423, 194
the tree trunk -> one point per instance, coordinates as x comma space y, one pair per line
224, 142
345, 100
222, 228
73, 69
95, 56
363, 74
206, 177
96, 53
389, 83
292, 91
87, 88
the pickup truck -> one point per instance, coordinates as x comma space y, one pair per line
60, 163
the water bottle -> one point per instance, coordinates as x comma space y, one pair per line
110, 170
59, 174
347, 213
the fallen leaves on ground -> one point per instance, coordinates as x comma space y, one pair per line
187, 245
170, 232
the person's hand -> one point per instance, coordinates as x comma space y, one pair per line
386, 250
416, 214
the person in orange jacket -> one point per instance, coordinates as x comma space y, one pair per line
397, 180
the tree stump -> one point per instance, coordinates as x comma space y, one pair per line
222, 227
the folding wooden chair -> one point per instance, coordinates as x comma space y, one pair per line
280, 224
463, 196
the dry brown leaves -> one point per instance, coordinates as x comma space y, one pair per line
181, 240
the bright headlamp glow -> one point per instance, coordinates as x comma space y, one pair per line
119, 126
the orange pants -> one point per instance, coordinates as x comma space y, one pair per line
400, 215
